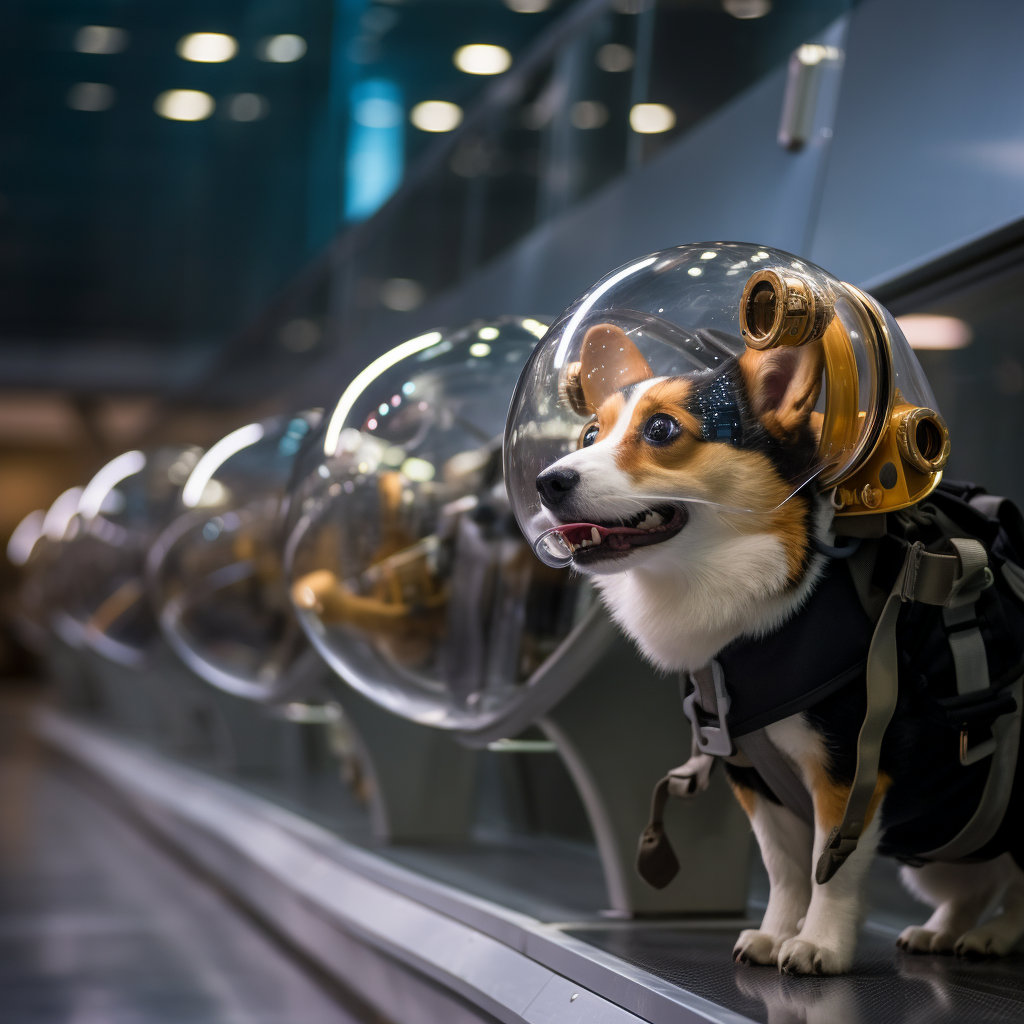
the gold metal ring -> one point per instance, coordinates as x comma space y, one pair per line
777, 310
923, 439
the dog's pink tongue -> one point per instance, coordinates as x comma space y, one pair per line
576, 533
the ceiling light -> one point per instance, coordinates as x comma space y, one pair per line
488, 333
184, 105
588, 114
695, 271
401, 294
614, 57
651, 118
482, 59
709, 255
92, 96
527, 6
925, 331
283, 49
299, 335
436, 116
100, 39
207, 47
747, 9
479, 349
248, 106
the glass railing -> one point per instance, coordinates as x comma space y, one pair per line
606, 89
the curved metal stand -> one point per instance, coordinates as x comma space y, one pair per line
618, 732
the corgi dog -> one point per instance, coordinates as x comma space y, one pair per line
647, 503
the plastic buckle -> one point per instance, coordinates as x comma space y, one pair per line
710, 729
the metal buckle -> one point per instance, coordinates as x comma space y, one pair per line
970, 755
710, 728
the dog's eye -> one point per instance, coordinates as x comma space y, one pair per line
589, 435
660, 429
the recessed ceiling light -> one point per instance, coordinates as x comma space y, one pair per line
282, 49
91, 96
745, 10
614, 57
651, 118
100, 39
436, 116
184, 105
527, 6
247, 106
207, 47
926, 331
482, 59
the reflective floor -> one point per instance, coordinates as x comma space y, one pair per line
885, 986
100, 926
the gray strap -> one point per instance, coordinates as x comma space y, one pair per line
995, 798
968, 649
710, 695
948, 580
882, 687
774, 767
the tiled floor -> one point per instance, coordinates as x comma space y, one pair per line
100, 926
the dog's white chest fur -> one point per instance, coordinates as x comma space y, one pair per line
685, 600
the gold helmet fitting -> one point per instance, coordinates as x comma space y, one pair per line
882, 456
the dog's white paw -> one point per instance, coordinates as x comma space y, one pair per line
924, 940
798, 956
982, 943
754, 947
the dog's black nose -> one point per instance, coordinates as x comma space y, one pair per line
555, 485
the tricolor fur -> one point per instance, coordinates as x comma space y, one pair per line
675, 502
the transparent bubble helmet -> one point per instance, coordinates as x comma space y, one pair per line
120, 513
406, 566
215, 573
744, 333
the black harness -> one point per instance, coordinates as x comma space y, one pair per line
940, 745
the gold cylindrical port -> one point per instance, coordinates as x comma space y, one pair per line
923, 439
782, 310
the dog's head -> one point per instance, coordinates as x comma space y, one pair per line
658, 451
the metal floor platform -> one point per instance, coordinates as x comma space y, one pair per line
100, 926
352, 910
885, 987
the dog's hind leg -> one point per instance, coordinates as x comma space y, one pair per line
785, 843
960, 894
998, 936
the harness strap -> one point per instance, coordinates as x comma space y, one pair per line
774, 767
882, 690
954, 581
995, 797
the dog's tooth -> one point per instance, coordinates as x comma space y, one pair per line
595, 535
654, 519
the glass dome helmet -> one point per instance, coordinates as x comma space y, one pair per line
743, 348
34, 548
119, 514
215, 573
407, 569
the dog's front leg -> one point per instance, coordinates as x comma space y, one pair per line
785, 843
828, 937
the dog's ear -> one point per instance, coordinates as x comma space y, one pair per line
783, 385
608, 362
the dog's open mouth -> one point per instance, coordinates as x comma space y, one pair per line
593, 542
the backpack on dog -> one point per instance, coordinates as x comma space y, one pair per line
931, 605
